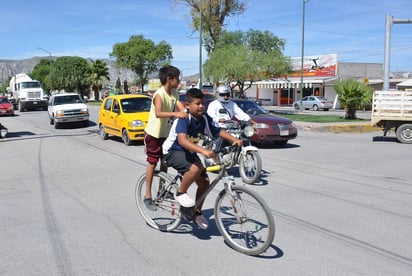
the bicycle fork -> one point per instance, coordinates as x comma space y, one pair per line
235, 200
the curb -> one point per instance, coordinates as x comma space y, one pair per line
337, 128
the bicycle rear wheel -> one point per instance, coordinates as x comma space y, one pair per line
244, 220
167, 216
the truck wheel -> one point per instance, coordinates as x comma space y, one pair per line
404, 133
21, 107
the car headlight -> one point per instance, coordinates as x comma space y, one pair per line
261, 125
136, 123
249, 131
59, 113
85, 111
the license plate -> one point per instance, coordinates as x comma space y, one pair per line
3, 111
284, 132
34, 102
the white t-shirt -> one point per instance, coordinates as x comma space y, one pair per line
217, 110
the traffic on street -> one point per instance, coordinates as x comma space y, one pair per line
341, 204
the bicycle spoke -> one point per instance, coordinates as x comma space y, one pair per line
244, 221
167, 216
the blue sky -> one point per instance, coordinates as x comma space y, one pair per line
353, 29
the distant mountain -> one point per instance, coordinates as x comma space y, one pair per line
9, 68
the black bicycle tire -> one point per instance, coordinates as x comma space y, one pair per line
221, 224
169, 206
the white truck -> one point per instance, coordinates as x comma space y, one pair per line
393, 110
27, 93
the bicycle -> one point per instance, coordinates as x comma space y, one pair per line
242, 216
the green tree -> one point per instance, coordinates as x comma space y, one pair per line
142, 56
41, 72
243, 57
71, 74
214, 14
99, 72
353, 95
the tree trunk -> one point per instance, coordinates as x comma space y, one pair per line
350, 113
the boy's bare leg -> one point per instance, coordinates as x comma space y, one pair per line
189, 177
202, 186
149, 178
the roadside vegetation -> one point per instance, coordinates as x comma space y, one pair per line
317, 118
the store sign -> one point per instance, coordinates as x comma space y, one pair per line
315, 66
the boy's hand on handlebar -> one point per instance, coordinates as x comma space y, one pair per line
208, 153
237, 143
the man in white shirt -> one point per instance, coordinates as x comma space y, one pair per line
221, 110
224, 109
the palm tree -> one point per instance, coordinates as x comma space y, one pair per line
99, 72
353, 95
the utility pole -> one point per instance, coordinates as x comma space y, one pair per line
386, 66
303, 53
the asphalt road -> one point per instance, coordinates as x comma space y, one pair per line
342, 205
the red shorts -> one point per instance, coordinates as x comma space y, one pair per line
153, 148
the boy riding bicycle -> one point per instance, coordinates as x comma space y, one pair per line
180, 150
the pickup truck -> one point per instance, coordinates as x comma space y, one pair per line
393, 110
67, 108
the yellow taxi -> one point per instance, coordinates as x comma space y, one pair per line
124, 116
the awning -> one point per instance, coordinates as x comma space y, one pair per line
407, 83
292, 82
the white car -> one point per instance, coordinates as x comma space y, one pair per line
67, 108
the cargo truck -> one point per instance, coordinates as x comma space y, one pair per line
27, 93
393, 110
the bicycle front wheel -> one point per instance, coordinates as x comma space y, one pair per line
244, 220
166, 217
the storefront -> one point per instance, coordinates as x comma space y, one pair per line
318, 70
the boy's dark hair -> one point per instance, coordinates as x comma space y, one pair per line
168, 71
194, 93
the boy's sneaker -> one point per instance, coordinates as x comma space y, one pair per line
201, 221
150, 204
185, 200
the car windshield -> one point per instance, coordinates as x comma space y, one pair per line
69, 99
3, 100
132, 105
251, 107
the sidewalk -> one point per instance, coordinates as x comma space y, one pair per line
354, 127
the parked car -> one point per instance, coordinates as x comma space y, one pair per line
269, 127
67, 108
182, 96
313, 102
124, 116
6, 106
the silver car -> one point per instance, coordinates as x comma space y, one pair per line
313, 102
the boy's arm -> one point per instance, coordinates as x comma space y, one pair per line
190, 146
225, 135
158, 104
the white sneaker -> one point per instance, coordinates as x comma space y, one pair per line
185, 200
201, 221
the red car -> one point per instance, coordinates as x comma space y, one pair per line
6, 107
269, 127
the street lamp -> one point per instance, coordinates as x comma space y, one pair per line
303, 52
50, 74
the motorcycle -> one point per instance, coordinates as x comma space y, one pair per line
248, 157
3, 131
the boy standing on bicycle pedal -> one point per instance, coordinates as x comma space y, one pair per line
180, 150
165, 106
